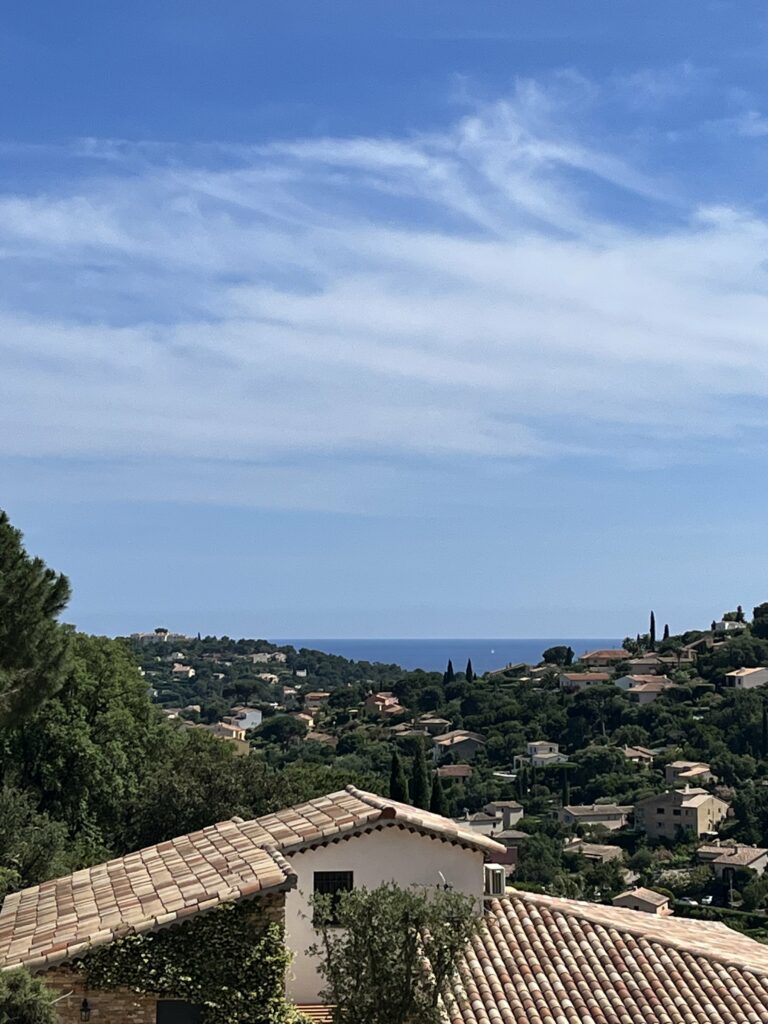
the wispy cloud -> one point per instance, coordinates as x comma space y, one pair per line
462, 294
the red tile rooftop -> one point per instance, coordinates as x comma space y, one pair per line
545, 960
233, 860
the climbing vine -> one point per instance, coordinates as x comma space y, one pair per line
229, 961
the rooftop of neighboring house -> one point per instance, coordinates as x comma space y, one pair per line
641, 894
735, 856
643, 678
543, 959
152, 888
317, 695
691, 796
631, 752
746, 671
600, 851
586, 677
589, 810
618, 654
454, 771
651, 684
458, 736
684, 766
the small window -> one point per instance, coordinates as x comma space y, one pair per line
331, 883
676, 812
659, 810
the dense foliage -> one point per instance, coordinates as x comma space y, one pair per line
25, 1000
386, 953
228, 961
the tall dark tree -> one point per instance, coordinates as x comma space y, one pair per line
713, 626
33, 645
739, 613
449, 675
421, 785
566, 787
470, 674
652, 633
569, 656
437, 802
398, 784
666, 632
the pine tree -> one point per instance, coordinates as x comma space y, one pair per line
420, 781
34, 647
470, 673
666, 631
449, 675
739, 613
652, 633
398, 784
438, 803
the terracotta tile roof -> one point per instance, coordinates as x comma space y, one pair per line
644, 895
149, 889
162, 884
544, 960
613, 655
454, 771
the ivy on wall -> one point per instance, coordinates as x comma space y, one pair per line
229, 961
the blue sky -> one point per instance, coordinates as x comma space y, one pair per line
387, 319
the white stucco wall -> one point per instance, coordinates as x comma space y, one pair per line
390, 854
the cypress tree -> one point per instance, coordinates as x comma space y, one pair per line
713, 626
666, 631
569, 656
437, 803
450, 675
420, 782
652, 633
398, 784
470, 672
34, 647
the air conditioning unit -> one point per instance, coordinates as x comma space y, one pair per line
495, 880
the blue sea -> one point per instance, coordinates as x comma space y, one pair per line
433, 655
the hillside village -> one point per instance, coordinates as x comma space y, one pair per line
189, 824
638, 768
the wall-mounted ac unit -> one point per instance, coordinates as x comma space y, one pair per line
495, 880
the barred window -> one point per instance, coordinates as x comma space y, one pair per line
331, 883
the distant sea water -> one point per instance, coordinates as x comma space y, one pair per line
433, 655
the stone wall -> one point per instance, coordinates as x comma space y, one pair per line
119, 1007
122, 1006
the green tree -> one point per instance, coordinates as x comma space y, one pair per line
652, 633
25, 1000
282, 729
450, 675
398, 784
420, 781
557, 655
666, 632
373, 944
469, 673
437, 802
32, 847
33, 645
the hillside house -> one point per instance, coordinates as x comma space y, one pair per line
574, 681
315, 700
435, 726
459, 743
509, 812
233, 734
267, 657
696, 971
609, 816
729, 626
455, 772
596, 853
747, 678
385, 704
181, 671
604, 661
682, 773
639, 755
540, 754
644, 689
728, 858
691, 809
244, 717
645, 900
